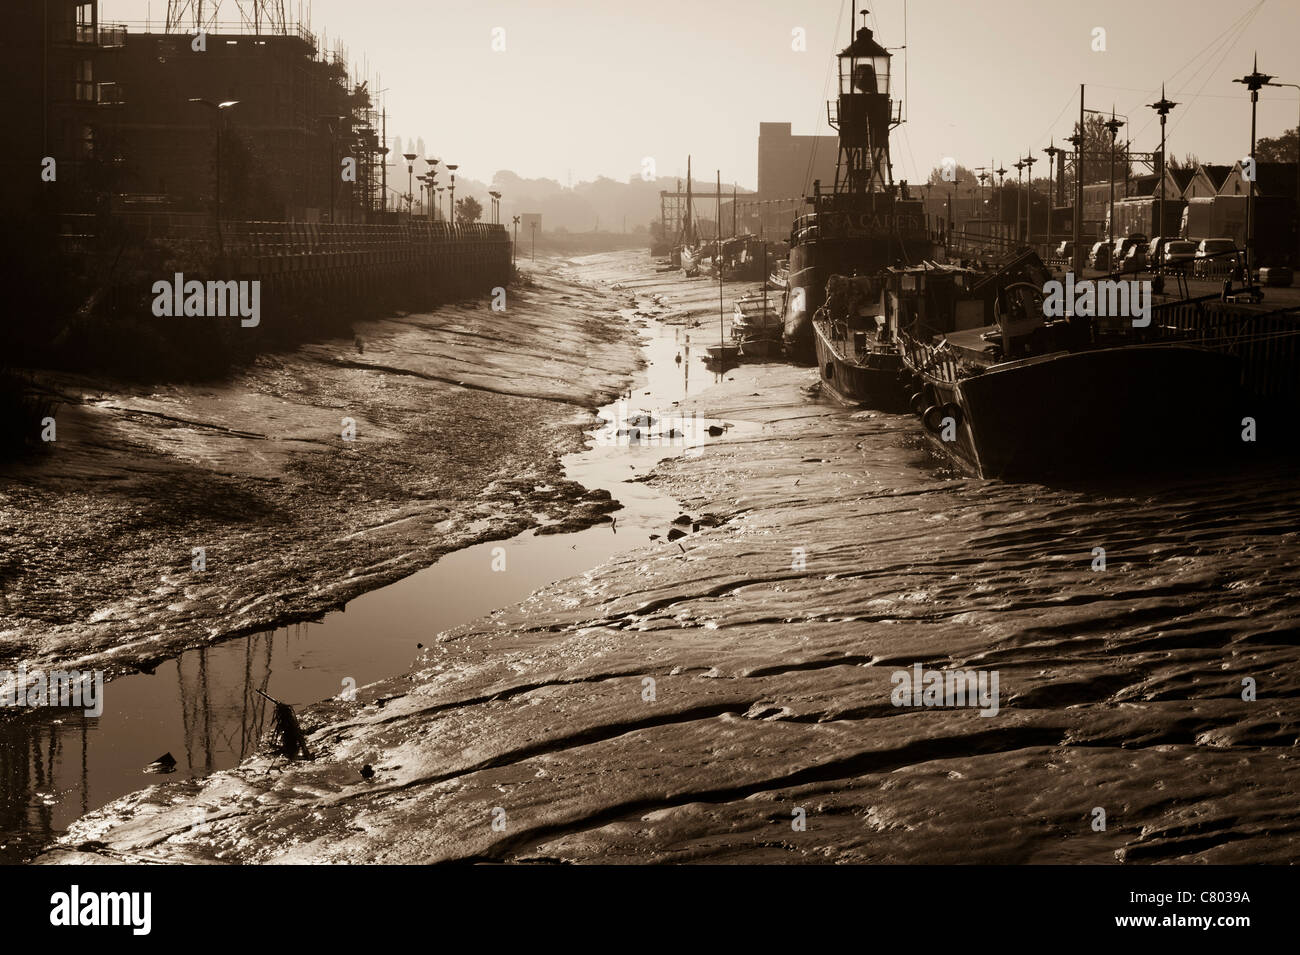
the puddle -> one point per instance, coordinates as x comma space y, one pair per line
203, 708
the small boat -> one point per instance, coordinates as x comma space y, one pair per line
756, 327
691, 259
856, 343
722, 353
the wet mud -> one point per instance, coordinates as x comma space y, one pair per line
728, 696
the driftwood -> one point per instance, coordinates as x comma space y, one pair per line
290, 741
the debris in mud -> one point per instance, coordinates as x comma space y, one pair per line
367, 771
290, 741
166, 763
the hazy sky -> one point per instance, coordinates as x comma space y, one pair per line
591, 87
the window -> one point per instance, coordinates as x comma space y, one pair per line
85, 30
85, 81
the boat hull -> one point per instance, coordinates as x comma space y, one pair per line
1088, 413
874, 383
814, 261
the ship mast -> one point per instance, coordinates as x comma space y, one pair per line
863, 114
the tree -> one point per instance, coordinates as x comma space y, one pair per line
468, 209
1277, 148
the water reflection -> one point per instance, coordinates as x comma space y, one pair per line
204, 707
57, 764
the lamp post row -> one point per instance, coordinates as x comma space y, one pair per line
1253, 81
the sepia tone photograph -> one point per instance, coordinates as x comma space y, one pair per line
575, 433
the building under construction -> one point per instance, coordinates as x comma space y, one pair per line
137, 120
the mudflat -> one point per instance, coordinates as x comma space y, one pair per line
733, 695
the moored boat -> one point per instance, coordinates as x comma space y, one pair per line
756, 327
1028, 399
857, 351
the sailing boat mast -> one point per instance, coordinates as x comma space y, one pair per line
688, 232
717, 261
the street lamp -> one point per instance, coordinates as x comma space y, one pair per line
1029, 198
217, 109
1020, 168
1252, 81
441, 190
1114, 125
1163, 107
1051, 151
1002, 187
410, 183
514, 255
1076, 228
451, 208
983, 176
425, 191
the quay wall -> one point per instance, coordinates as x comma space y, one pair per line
314, 279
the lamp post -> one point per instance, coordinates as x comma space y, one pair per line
432, 173
1051, 151
1077, 140
441, 190
425, 192
952, 201
1002, 188
1162, 106
1029, 197
1020, 168
1297, 158
217, 109
1114, 125
451, 207
1252, 81
514, 251
410, 182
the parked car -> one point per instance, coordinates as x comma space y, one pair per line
1156, 249
1120, 246
1099, 256
1065, 250
1179, 254
1214, 258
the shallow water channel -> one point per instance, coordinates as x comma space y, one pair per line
203, 706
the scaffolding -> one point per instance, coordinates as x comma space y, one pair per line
259, 16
